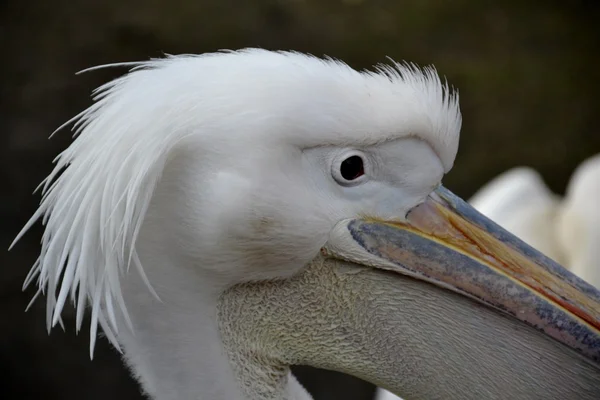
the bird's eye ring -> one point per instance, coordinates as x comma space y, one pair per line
350, 169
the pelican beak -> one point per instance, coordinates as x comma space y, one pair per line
448, 243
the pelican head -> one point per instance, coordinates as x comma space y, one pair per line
229, 215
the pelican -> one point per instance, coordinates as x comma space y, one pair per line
228, 215
565, 229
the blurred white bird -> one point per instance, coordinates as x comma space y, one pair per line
579, 222
565, 229
279, 209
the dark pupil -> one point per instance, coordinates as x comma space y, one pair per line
352, 168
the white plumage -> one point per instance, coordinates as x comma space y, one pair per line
579, 222
230, 183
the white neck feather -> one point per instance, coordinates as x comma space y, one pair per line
176, 350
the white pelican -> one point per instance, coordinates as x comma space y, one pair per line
279, 209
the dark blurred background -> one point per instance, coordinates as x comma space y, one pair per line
527, 73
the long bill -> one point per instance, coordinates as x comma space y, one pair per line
447, 242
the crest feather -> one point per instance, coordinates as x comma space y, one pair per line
93, 204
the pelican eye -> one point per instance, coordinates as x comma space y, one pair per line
352, 168
349, 169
